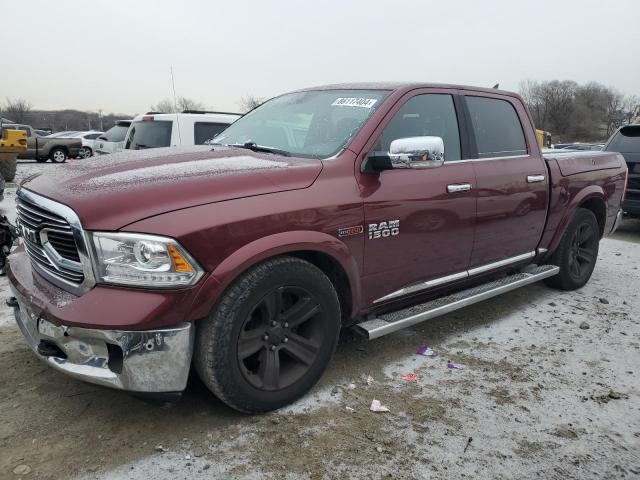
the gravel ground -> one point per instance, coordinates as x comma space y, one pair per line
548, 388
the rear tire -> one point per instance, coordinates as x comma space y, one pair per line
270, 336
85, 152
58, 155
577, 252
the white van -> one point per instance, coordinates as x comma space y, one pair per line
191, 127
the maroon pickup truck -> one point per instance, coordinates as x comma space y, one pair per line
372, 206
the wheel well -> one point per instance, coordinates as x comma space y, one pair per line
59, 147
336, 274
597, 206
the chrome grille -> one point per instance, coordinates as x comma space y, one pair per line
48, 239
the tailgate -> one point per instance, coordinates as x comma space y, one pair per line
572, 163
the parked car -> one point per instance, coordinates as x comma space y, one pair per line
89, 140
374, 205
65, 133
113, 139
626, 140
58, 150
153, 130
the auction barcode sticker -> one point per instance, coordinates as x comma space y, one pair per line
355, 102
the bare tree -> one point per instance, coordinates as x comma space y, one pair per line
165, 106
189, 104
249, 102
182, 103
16, 109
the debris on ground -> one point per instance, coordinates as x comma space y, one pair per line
605, 301
22, 470
352, 386
410, 377
584, 326
160, 448
425, 351
376, 406
453, 366
469, 440
369, 380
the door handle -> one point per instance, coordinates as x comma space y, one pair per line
535, 178
458, 187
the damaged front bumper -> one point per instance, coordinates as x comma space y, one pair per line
151, 361
146, 360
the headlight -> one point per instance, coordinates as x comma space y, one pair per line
142, 260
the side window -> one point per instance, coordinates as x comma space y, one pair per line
203, 131
497, 128
92, 136
425, 115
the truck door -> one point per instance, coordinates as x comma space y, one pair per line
512, 184
418, 230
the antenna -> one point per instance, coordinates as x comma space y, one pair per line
175, 104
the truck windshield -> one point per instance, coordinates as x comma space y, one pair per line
115, 134
312, 124
149, 134
627, 140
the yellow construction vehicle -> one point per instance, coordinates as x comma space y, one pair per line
12, 142
544, 138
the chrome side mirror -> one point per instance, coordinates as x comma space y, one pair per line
417, 152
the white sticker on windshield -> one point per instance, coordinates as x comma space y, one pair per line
354, 102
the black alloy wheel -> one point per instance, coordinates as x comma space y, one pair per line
577, 252
280, 338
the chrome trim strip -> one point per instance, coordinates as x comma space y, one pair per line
488, 159
79, 235
417, 287
501, 263
423, 285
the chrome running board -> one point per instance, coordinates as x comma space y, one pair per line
391, 322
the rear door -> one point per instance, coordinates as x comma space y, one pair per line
512, 185
418, 232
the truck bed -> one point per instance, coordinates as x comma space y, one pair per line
572, 163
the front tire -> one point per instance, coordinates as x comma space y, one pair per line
58, 155
270, 337
577, 252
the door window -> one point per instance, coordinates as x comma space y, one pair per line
497, 128
203, 131
425, 115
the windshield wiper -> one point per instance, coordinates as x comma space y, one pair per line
259, 148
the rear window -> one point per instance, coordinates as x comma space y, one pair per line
115, 134
626, 140
149, 134
203, 131
497, 128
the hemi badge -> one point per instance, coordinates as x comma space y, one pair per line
348, 231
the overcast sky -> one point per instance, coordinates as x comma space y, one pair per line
116, 55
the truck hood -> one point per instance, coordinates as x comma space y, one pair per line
112, 191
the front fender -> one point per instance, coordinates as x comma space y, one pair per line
270, 246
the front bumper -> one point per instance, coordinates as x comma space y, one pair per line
617, 222
150, 361
94, 337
